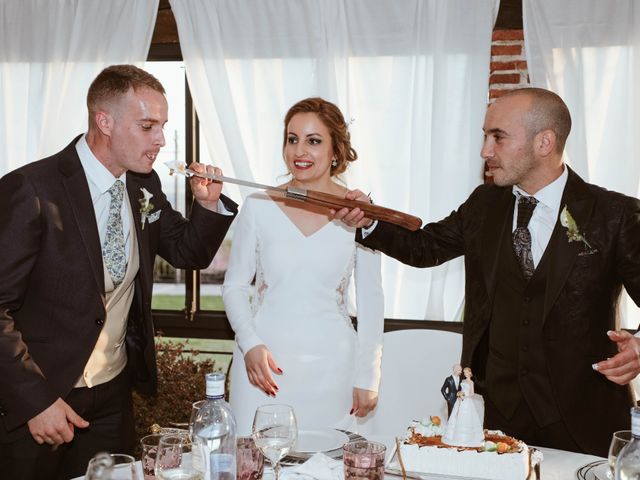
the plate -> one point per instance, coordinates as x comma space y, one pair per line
594, 471
324, 440
296, 458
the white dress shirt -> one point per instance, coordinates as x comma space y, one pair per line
100, 180
544, 216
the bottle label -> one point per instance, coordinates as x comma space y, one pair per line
635, 425
222, 462
215, 389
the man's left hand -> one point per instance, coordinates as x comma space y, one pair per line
206, 191
625, 366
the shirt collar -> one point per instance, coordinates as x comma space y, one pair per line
550, 195
96, 172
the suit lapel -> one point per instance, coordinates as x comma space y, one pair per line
77, 189
493, 234
135, 194
562, 253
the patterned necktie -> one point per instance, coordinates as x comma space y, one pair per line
113, 250
522, 236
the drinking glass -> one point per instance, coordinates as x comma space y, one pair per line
118, 465
249, 460
178, 458
195, 408
275, 432
363, 460
149, 452
619, 440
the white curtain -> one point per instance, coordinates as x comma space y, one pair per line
587, 52
412, 75
50, 51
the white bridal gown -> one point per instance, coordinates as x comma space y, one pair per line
298, 309
464, 428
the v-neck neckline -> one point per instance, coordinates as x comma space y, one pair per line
294, 224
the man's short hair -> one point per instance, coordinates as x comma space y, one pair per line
547, 112
115, 81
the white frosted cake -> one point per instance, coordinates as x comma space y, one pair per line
499, 457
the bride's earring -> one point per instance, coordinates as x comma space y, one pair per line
334, 163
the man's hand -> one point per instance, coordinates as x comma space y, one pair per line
206, 191
55, 424
363, 401
355, 217
625, 366
259, 364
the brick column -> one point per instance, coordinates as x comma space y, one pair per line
508, 68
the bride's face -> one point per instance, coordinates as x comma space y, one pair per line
467, 373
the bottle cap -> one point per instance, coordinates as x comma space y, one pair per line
214, 384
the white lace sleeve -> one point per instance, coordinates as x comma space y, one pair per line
370, 313
237, 290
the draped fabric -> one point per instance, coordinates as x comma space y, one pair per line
411, 75
587, 52
50, 51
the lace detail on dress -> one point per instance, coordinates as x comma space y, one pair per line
261, 286
342, 290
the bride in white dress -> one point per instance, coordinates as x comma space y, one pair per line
295, 342
464, 428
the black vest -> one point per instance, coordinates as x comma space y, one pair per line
516, 366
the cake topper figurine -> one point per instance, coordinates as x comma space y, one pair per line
465, 422
451, 387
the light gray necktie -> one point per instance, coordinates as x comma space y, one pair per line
113, 251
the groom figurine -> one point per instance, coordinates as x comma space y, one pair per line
451, 387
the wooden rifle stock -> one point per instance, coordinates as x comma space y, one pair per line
372, 211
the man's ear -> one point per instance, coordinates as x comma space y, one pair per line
545, 142
104, 122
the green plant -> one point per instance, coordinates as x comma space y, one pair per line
180, 383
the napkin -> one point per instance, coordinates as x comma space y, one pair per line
319, 467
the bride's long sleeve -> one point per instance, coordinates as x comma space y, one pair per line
237, 290
370, 313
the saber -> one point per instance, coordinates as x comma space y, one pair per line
334, 202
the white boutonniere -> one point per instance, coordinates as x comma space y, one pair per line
145, 208
573, 233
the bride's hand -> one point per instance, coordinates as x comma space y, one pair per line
363, 401
260, 364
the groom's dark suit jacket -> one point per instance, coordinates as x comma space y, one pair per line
52, 301
581, 295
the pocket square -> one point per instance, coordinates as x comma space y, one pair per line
586, 253
152, 217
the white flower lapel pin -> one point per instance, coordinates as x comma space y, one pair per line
573, 233
145, 208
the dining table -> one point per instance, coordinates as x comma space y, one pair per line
556, 465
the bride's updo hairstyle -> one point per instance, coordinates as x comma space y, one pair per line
332, 118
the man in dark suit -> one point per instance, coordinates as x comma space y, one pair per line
451, 387
79, 232
546, 256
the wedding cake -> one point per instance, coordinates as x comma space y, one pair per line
498, 456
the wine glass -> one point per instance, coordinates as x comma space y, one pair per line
275, 432
619, 440
178, 458
116, 466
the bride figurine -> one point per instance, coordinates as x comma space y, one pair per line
465, 422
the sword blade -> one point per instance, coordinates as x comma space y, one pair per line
181, 169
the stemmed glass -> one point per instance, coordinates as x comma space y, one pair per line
619, 440
275, 432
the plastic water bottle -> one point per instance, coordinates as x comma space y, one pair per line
215, 430
628, 461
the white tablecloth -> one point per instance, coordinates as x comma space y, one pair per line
556, 465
